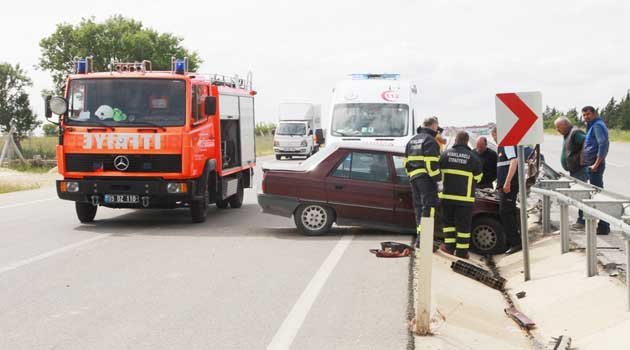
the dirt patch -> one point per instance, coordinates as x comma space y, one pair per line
13, 180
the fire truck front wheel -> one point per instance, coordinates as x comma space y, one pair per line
199, 208
85, 211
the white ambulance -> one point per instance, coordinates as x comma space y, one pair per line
377, 108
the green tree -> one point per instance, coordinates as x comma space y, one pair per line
117, 38
610, 114
50, 129
14, 102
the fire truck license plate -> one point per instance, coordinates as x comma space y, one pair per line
122, 198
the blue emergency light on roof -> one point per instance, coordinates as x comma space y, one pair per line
82, 66
179, 65
383, 76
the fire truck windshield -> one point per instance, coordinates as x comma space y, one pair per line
370, 120
120, 102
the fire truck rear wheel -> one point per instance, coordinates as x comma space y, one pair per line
236, 201
85, 211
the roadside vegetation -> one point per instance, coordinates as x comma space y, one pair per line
264, 145
615, 135
8, 187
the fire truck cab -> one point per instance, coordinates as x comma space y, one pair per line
137, 138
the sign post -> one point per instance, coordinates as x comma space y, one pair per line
519, 123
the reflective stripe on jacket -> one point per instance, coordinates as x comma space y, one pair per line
461, 171
423, 156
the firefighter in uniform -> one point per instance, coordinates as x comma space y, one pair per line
461, 171
422, 165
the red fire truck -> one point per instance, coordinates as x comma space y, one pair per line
137, 138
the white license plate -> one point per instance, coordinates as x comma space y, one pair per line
122, 198
289, 149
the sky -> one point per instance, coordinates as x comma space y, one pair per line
459, 53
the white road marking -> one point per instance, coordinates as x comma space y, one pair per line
27, 203
292, 324
20, 263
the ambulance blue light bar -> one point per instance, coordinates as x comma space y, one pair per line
382, 76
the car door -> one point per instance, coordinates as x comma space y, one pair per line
403, 210
360, 188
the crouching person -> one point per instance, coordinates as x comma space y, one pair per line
461, 171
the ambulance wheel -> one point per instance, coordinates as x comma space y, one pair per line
236, 201
313, 219
85, 211
487, 236
278, 157
199, 208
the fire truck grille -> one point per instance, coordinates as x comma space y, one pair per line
137, 163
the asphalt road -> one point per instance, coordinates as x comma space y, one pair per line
149, 279
617, 162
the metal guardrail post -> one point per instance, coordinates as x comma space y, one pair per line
523, 195
591, 247
628, 272
424, 259
546, 219
564, 228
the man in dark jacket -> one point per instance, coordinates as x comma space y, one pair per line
422, 165
570, 156
461, 170
488, 159
507, 188
594, 154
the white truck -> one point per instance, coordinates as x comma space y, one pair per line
369, 107
299, 132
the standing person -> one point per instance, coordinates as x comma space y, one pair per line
594, 154
422, 158
570, 157
461, 169
488, 159
507, 186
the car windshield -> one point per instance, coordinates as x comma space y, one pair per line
291, 129
315, 159
370, 120
119, 102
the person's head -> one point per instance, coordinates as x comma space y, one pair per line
563, 125
589, 114
493, 132
462, 138
430, 123
482, 144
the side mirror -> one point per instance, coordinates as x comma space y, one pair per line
56, 104
319, 136
310, 132
210, 105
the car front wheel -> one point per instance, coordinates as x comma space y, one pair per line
487, 236
313, 219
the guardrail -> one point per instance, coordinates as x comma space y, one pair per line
611, 210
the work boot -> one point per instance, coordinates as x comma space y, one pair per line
462, 254
514, 249
446, 249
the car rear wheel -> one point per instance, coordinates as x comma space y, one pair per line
278, 157
85, 211
487, 236
313, 219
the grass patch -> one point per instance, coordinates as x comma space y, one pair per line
44, 146
264, 145
6, 188
27, 168
615, 135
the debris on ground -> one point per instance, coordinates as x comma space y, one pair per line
478, 274
520, 318
561, 343
521, 295
392, 250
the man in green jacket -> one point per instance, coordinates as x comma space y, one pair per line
570, 157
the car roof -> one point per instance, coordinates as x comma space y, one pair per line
370, 146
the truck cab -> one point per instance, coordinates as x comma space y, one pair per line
137, 138
376, 108
299, 131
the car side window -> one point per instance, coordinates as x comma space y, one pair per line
343, 170
401, 173
364, 166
